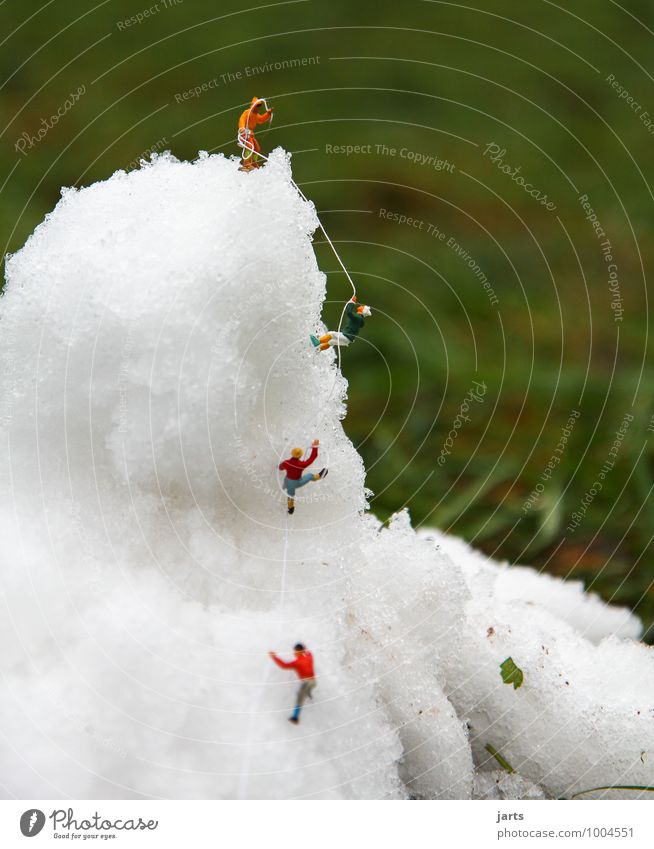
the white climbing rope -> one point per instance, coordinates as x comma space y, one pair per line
248, 150
242, 139
244, 779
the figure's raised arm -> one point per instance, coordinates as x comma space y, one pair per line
311, 458
282, 663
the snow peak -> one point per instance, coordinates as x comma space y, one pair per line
66, 820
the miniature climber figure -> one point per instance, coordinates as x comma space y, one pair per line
355, 315
294, 467
246, 138
303, 666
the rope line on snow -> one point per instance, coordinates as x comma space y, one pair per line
245, 146
282, 589
248, 150
244, 779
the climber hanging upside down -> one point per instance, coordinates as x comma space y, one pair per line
246, 138
354, 315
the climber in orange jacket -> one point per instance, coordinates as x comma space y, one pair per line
246, 124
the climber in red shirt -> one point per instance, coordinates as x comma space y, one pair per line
294, 467
303, 666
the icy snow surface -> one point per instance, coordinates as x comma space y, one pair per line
156, 365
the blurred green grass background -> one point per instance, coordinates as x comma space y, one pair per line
441, 80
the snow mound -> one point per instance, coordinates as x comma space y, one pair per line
497, 784
156, 368
586, 612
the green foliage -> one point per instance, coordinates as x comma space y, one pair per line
499, 758
511, 674
638, 787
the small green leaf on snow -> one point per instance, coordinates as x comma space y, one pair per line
511, 674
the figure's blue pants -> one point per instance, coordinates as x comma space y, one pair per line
305, 692
290, 485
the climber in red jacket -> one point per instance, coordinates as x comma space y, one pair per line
303, 666
294, 467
